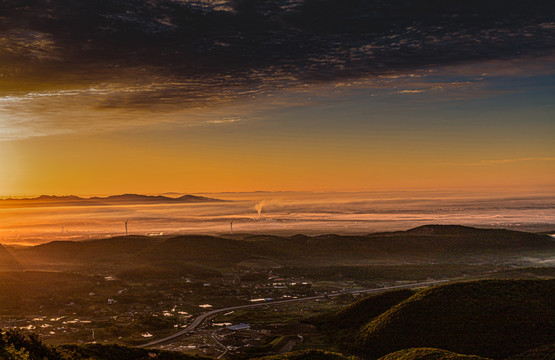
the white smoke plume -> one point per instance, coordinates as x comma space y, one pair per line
258, 207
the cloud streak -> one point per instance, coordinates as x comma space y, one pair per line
112, 65
510, 161
255, 44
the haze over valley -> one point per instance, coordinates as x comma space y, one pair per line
42, 219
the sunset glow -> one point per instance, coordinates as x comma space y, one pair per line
116, 116
379, 134
277, 179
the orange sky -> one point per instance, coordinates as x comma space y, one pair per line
456, 129
200, 96
110, 165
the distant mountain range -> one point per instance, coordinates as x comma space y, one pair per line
53, 200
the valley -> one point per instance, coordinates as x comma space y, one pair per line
165, 292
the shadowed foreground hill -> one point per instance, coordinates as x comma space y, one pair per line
488, 318
343, 325
308, 355
546, 352
428, 354
16, 346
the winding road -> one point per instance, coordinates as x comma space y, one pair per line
199, 319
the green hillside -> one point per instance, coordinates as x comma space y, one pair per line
489, 318
428, 354
343, 325
308, 355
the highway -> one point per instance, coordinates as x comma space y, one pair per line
200, 319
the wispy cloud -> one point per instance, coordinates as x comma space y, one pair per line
150, 99
413, 91
135, 63
229, 120
509, 161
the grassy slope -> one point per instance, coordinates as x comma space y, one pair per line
342, 326
307, 355
428, 354
488, 318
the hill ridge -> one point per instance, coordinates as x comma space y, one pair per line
490, 318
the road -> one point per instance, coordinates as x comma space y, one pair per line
199, 319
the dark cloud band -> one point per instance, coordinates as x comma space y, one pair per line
210, 50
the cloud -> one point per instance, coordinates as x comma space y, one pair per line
509, 161
229, 120
411, 91
147, 99
93, 111
68, 65
257, 44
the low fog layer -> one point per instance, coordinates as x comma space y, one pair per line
284, 213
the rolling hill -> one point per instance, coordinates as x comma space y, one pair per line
307, 355
120, 248
488, 318
428, 354
352, 317
431, 243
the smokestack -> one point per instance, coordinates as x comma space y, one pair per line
231, 227
125, 221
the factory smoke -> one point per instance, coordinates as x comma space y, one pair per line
258, 207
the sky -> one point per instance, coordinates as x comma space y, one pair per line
231, 96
